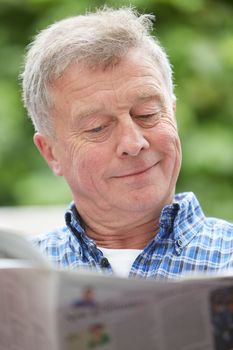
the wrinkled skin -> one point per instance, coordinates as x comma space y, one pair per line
116, 144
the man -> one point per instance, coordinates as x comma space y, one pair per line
99, 91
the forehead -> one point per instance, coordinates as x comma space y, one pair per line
134, 76
135, 60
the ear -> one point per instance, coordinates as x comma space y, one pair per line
47, 148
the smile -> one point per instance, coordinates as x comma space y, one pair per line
137, 172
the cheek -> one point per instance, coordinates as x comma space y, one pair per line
169, 146
167, 139
89, 165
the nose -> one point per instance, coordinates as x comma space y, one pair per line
131, 140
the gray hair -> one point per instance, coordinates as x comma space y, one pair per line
95, 39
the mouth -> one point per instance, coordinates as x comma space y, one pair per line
137, 172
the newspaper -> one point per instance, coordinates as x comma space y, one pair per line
45, 308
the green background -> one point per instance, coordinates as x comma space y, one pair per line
198, 37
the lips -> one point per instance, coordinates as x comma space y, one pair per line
136, 172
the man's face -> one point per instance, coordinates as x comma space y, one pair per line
116, 139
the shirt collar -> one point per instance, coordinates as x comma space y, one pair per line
179, 221
75, 223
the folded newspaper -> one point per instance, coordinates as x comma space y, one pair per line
49, 309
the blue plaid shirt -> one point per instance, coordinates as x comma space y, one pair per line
187, 242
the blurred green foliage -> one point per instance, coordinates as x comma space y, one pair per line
198, 37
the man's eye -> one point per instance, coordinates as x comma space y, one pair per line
148, 119
148, 116
97, 129
99, 133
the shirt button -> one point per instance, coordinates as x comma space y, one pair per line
179, 242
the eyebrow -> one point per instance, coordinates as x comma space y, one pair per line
146, 94
150, 94
85, 111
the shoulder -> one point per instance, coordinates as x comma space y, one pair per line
192, 222
59, 246
57, 236
214, 232
190, 209
218, 226
205, 243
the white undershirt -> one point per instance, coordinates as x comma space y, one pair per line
121, 260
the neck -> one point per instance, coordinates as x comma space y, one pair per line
125, 237
115, 228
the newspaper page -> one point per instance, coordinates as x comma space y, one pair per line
15, 246
99, 312
64, 310
112, 313
27, 307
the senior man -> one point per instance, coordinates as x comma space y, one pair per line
99, 91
